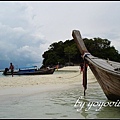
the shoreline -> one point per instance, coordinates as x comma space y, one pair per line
62, 78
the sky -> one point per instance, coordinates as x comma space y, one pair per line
28, 28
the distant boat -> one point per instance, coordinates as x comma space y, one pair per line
106, 72
30, 71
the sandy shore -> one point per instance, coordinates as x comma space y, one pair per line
61, 79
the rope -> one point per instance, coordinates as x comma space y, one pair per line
72, 76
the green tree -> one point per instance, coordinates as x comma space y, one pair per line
70, 51
67, 51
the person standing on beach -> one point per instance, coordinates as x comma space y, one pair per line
11, 68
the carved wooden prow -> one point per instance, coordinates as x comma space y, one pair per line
83, 50
79, 41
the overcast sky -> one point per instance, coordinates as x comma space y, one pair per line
28, 28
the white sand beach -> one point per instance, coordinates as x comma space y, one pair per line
58, 80
51, 96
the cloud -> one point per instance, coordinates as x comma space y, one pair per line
20, 40
28, 28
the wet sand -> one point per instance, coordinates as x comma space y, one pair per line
62, 78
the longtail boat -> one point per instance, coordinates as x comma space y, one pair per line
30, 71
106, 72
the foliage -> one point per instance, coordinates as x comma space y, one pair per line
101, 48
67, 52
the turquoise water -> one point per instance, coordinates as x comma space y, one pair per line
1, 74
57, 104
65, 103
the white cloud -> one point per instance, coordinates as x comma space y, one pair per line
28, 28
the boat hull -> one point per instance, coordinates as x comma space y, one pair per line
108, 80
37, 72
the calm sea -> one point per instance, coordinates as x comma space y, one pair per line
67, 103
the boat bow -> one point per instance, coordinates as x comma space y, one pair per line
106, 72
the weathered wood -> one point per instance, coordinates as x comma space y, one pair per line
106, 72
78, 39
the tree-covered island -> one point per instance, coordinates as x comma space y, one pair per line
67, 53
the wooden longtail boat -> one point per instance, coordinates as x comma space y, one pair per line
106, 72
30, 71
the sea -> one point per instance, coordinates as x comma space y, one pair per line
63, 104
